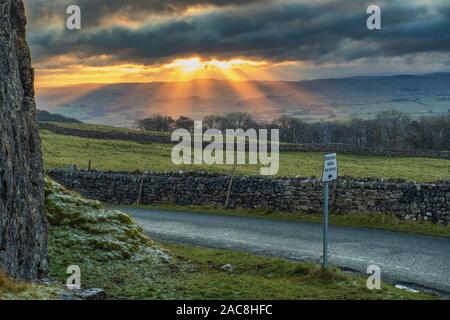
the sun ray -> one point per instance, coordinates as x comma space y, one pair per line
190, 85
252, 100
294, 98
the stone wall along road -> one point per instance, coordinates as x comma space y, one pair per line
407, 200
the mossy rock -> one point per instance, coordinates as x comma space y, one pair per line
85, 227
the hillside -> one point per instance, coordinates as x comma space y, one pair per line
324, 99
45, 116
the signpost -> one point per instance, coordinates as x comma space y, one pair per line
330, 173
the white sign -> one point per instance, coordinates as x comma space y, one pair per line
330, 168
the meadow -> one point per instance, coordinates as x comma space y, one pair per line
116, 155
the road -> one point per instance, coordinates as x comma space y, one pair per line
403, 258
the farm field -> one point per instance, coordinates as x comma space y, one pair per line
116, 155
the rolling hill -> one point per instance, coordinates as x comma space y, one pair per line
45, 116
314, 100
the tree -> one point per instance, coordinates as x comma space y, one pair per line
184, 123
391, 123
214, 122
443, 132
419, 134
293, 130
239, 120
233, 120
157, 122
357, 131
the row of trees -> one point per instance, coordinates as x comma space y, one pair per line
162, 123
389, 129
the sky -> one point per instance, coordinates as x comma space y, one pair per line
179, 40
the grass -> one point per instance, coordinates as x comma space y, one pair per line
376, 221
12, 289
262, 278
128, 265
61, 151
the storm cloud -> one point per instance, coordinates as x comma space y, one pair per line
314, 31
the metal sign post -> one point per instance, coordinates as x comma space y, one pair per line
330, 173
325, 225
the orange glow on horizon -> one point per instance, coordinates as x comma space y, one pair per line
186, 86
182, 89
183, 69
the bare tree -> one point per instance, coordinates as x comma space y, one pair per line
391, 122
389, 129
419, 134
157, 122
184, 123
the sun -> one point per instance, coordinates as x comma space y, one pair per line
186, 65
196, 67
197, 64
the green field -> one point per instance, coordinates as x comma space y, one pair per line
61, 151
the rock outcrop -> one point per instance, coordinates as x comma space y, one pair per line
23, 227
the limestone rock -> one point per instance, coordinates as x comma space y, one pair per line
92, 294
227, 268
23, 228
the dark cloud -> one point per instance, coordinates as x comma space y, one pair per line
275, 30
94, 11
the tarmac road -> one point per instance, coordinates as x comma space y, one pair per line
414, 260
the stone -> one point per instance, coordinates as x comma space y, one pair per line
92, 294
72, 169
227, 268
163, 256
68, 296
23, 227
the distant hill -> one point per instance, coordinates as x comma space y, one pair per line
45, 116
315, 100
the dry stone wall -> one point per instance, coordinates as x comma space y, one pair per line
407, 200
